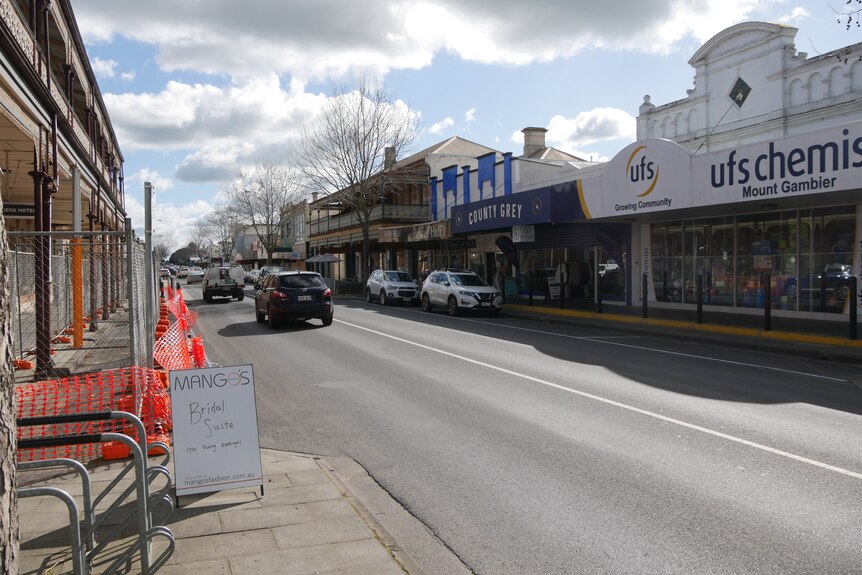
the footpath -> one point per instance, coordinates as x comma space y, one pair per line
327, 515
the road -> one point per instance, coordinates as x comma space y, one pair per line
533, 448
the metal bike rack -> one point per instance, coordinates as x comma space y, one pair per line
143, 476
79, 564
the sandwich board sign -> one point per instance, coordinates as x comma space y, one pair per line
214, 416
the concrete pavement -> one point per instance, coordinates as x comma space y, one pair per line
308, 520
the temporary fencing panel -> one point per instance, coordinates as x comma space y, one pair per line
137, 390
74, 290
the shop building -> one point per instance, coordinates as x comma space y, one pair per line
398, 231
750, 185
60, 161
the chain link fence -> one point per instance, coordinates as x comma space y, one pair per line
78, 302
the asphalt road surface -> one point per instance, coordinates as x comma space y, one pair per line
534, 448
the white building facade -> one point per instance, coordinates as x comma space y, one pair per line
750, 187
750, 183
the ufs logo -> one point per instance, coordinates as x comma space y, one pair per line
639, 170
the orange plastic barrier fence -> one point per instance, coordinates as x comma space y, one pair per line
138, 390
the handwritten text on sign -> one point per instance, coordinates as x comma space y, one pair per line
216, 443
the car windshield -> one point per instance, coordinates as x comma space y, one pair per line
398, 277
301, 281
467, 280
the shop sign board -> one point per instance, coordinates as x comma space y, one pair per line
529, 207
656, 175
19, 211
214, 417
523, 234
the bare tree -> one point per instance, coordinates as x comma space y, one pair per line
850, 14
161, 246
199, 237
259, 198
9, 533
344, 150
221, 226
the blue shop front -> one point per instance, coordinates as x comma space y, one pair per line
539, 242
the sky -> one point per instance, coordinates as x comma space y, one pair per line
199, 89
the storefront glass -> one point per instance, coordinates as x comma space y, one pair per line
826, 259
666, 247
709, 248
804, 258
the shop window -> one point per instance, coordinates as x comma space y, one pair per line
666, 264
709, 246
767, 246
826, 260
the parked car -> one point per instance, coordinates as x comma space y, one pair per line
183, 271
297, 295
609, 266
251, 276
391, 286
223, 281
164, 273
834, 280
459, 290
195, 276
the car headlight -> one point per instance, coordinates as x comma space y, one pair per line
469, 293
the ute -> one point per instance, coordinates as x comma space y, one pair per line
223, 281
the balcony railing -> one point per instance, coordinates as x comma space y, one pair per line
17, 28
395, 213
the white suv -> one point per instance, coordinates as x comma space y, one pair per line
390, 286
458, 290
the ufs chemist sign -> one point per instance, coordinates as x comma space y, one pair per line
216, 443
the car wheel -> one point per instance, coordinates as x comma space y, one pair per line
258, 315
426, 302
367, 296
383, 298
240, 297
452, 306
208, 298
272, 321
327, 319
790, 290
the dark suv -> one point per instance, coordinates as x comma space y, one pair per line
293, 296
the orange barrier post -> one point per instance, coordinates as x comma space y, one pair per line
77, 293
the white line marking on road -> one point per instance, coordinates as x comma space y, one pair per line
614, 403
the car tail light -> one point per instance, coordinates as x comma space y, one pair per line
326, 293
278, 295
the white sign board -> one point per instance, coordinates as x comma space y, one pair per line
216, 443
523, 234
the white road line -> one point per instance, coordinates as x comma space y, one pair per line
607, 401
601, 339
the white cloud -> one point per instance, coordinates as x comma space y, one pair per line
221, 127
159, 182
306, 40
797, 14
128, 76
103, 68
597, 125
470, 115
169, 220
587, 128
441, 126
